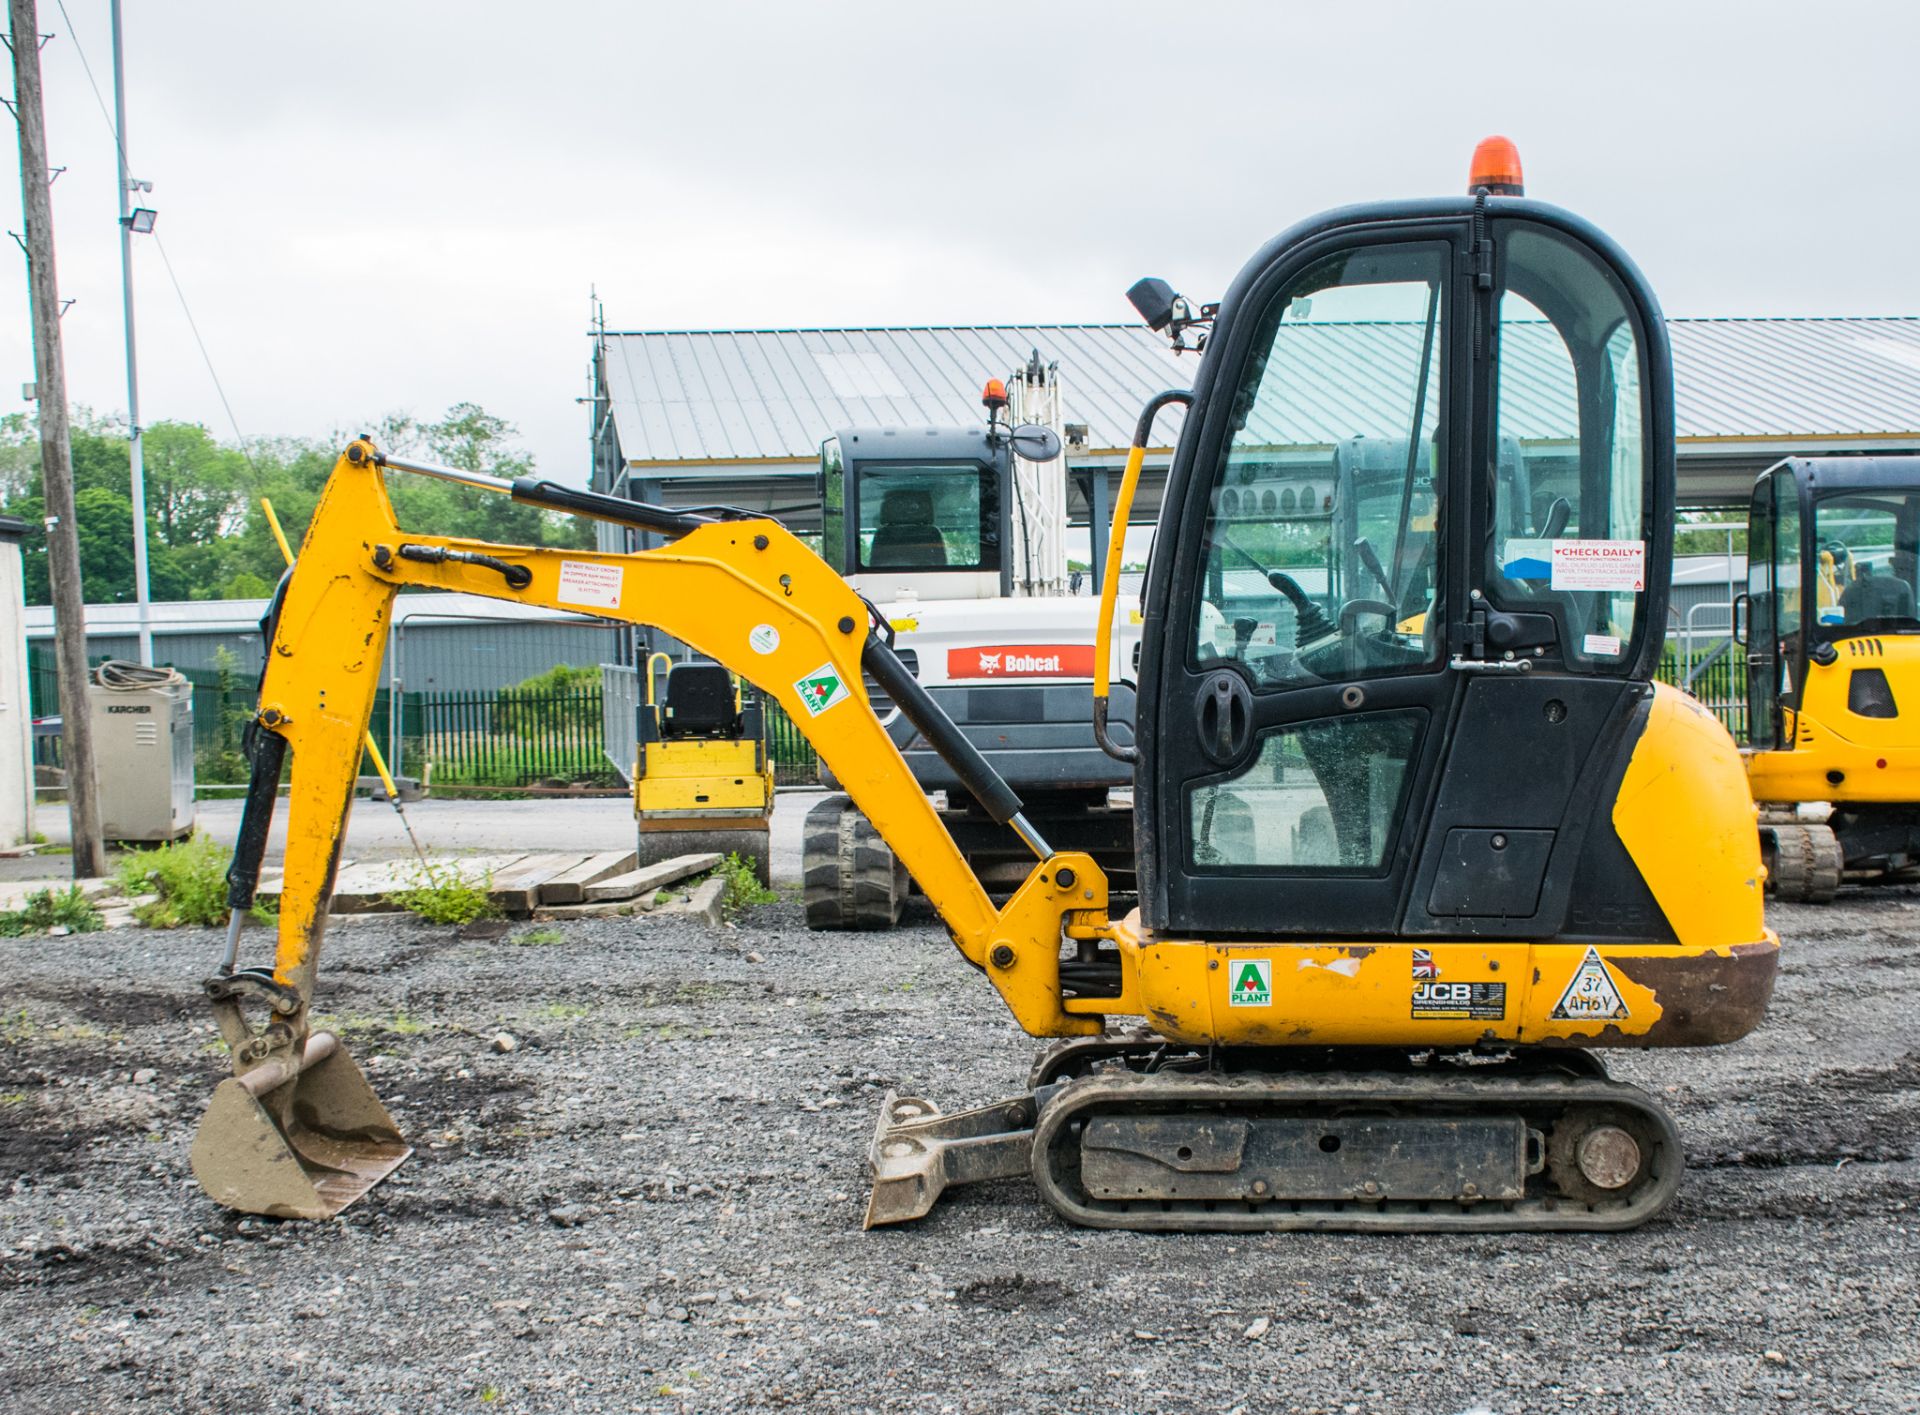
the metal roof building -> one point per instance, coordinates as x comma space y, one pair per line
738, 415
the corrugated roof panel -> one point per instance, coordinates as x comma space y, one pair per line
705, 396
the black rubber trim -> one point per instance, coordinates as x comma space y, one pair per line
551, 496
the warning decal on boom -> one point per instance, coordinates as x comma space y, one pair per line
1592, 994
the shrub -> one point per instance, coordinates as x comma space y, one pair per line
563, 701
190, 876
446, 894
47, 909
743, 886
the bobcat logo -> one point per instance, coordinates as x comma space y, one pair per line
989, 663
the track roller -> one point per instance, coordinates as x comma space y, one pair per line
852, 878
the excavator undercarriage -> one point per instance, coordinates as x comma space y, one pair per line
1145, 1134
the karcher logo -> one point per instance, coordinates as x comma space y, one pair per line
130, 707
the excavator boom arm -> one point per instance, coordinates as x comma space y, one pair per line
745, 592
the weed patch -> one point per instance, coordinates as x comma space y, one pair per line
45, 910
743, 886
190, 876
447, 894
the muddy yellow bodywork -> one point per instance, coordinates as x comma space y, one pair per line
1683, 814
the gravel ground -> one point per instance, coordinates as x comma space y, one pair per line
654, 1204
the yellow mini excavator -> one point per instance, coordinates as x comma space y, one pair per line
1418, 836
701, 779
1833, 650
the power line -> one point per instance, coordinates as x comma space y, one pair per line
206, 357
179, 293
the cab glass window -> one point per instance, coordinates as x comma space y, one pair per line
1321, 547
1320, 797
928, 518
1568, 536
1864, 573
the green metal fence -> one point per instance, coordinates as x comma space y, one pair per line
511, 737
504, 738
792, 755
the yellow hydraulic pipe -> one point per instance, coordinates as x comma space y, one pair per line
1110, 581
1110, 578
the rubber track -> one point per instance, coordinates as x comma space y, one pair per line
1805, 863
1056, 1137
850, 876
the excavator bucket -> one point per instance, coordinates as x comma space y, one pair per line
303, 1145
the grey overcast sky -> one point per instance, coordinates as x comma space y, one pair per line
398, 205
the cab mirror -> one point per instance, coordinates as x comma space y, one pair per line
1035, 442
1154, 299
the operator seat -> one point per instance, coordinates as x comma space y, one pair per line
699, 701
907, 535
1873, 596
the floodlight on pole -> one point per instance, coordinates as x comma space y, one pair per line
132, 220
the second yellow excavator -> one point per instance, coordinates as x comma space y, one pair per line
1833, 651
1418, 837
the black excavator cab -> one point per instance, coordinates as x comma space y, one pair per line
1405, 714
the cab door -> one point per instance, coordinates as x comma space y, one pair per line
1397, 710
1310, 610
1774, 600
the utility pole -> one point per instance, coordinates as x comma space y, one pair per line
135, 457
56, 446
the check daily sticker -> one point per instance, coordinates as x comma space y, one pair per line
594, 586
1599, 565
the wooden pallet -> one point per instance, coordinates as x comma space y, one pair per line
519, 884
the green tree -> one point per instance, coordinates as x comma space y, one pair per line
207, 535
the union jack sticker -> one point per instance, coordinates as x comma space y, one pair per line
1423, 965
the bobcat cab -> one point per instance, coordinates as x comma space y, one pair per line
958, 536
1833, 668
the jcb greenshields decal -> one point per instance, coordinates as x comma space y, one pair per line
822, 689
1249, 982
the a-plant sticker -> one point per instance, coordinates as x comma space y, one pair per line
822, 689
1592, 994
1250, 983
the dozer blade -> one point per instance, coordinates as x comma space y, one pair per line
917, 1152
303, 1145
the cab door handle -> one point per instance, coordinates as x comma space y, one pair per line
1224, 715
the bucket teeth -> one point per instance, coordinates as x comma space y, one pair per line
336, 1141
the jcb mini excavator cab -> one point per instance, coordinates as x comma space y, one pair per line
701, 778
1408, 858
1833, 668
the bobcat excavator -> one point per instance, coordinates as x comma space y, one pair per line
1833, 651
1403, 876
